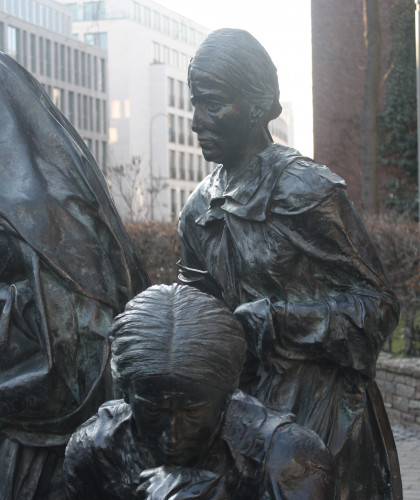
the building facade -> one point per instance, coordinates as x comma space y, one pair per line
38, 35
150, 138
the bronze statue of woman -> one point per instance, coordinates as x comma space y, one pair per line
275, 236
67, 267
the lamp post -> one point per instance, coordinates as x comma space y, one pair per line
152, 119
417, 2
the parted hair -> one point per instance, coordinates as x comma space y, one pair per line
177, 330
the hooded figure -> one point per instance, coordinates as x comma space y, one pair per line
275, 236
67, 267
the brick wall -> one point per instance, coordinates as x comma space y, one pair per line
338, 62
399, 382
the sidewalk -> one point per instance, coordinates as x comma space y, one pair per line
407, 440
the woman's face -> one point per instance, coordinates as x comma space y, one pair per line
221, 118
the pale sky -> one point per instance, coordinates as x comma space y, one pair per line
284, 29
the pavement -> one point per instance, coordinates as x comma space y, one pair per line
407, 440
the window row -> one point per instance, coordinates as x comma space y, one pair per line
53, 59
88, 11
179, 131
187, 166
37, 13
83, 112
178, 200
170, 27
162, 54
99, 149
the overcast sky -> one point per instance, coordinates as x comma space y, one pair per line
284, 28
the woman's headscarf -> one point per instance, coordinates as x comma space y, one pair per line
237, 58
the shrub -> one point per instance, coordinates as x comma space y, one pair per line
159, 247
397, 239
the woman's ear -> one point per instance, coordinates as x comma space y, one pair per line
255, 115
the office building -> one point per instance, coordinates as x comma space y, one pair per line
38, 35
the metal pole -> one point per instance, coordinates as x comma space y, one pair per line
417, 2
152, 119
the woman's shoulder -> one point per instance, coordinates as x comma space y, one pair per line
302, 183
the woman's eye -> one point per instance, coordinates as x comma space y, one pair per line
214, 106
193, 413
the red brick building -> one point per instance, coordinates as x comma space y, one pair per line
338, 59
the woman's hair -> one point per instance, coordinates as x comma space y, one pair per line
237, 58
177, 330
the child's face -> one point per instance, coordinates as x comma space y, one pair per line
176, 417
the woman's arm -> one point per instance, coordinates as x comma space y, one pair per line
346, 309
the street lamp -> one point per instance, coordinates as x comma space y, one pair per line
152, 119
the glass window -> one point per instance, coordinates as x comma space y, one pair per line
171, 92
24, 49
79, 111
182, 200
89, 71
58, 98
93, 10
2, 37
74, 11
71, 107
172, 164
76, 67
95, 72
62, 62
200, 169
90, 117
41, 55
69, 64
83, 68
102, 85
33, 53
85, 112
181, 136
98, 114
104, 157
97, 39
41, 14
166, 25
13, 42
156, 52
190, 133
175, 29
137, 12
48, 49
181, 99
173, 204
181, 165
156, 21
146, 16
190, 167
171, 128
104, 116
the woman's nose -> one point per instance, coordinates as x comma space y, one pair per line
197, 121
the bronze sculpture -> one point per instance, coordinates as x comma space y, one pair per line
274, 235
67, 267
182, 430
